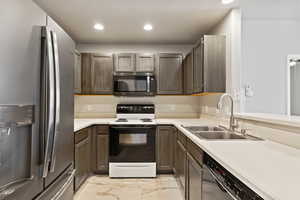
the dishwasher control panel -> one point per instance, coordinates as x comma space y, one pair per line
231, 184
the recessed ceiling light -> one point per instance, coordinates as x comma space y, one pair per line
227, 1
98, 27
148, 27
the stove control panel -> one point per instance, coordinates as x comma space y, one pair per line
135, 109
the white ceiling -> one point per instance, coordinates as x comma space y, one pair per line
174, 21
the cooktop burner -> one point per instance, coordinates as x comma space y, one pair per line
122, 120
146, 120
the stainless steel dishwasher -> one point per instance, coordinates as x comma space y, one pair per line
219, 184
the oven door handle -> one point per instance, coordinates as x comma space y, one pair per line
128, 127
220, 184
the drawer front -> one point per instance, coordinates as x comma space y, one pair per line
195, 151
182, 138
81, 135
102, 130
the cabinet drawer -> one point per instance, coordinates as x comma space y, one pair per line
182, 138
102, 130
195, 151
81, 135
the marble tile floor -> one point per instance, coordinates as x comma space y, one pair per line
164, 187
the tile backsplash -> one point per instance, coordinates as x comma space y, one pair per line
165, 106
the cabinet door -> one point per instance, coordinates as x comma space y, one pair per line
214, 63
165, 149
82, 161
100, 149
198, 68
77, 73
86, 73
145, 63
181, 166
194, 179
124, 62
170, 74
188, 74
102, 74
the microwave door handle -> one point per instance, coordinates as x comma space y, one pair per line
148, 84
57, 100
49, 97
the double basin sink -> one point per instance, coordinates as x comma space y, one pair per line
216, 133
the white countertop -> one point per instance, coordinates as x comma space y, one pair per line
270, 169
285, 120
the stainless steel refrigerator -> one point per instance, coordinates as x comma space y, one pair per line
36, 105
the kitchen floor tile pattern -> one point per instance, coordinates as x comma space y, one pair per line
163, 187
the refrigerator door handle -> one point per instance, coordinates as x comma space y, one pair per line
50, 98
57, 100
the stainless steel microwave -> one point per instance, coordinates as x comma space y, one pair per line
139, 84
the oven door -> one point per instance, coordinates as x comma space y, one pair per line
134, 85
132, 143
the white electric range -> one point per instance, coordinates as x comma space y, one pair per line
132, 141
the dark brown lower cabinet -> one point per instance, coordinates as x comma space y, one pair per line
100, 150
165, 149
82, 156
180, 166
174, 151
194, 179
188, 167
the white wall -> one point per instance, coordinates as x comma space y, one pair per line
270, 32
134, 48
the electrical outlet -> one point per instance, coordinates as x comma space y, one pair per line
249, 91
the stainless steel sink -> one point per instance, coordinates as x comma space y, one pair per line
203, 128
216, 133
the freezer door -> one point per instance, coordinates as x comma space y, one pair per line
61, 154
61, 189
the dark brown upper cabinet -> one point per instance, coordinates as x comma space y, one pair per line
102, 74
169, 74
77, 73
86, 73
188, 73
124, 62
164, 148
97, 73
145, 63
210, 64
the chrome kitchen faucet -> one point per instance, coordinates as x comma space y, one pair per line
232, 123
